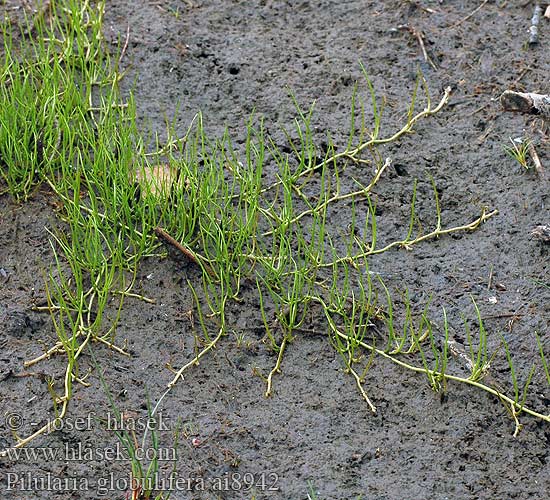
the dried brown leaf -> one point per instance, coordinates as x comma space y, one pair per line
158, 180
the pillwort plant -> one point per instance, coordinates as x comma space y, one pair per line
255, 216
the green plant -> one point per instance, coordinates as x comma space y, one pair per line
518, 151
545, 364
144, 476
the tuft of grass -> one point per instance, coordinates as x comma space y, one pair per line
519, 151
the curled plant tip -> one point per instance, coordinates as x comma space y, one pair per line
530, 103
541, 233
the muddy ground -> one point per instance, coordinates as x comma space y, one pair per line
228, 58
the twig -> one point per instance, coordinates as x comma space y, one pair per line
420, 37
421, 7
123, 51
503, 315
534, 29
471, 14
161, 233
530, 103
522, 74
536, 160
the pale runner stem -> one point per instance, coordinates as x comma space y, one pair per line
52, 350
406, 243
407, 128
87, 209
195, 360
46, 429
339, 197
112, 346
276, 368
516, 407
51, 425
58, 347
360, 387
352, 153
